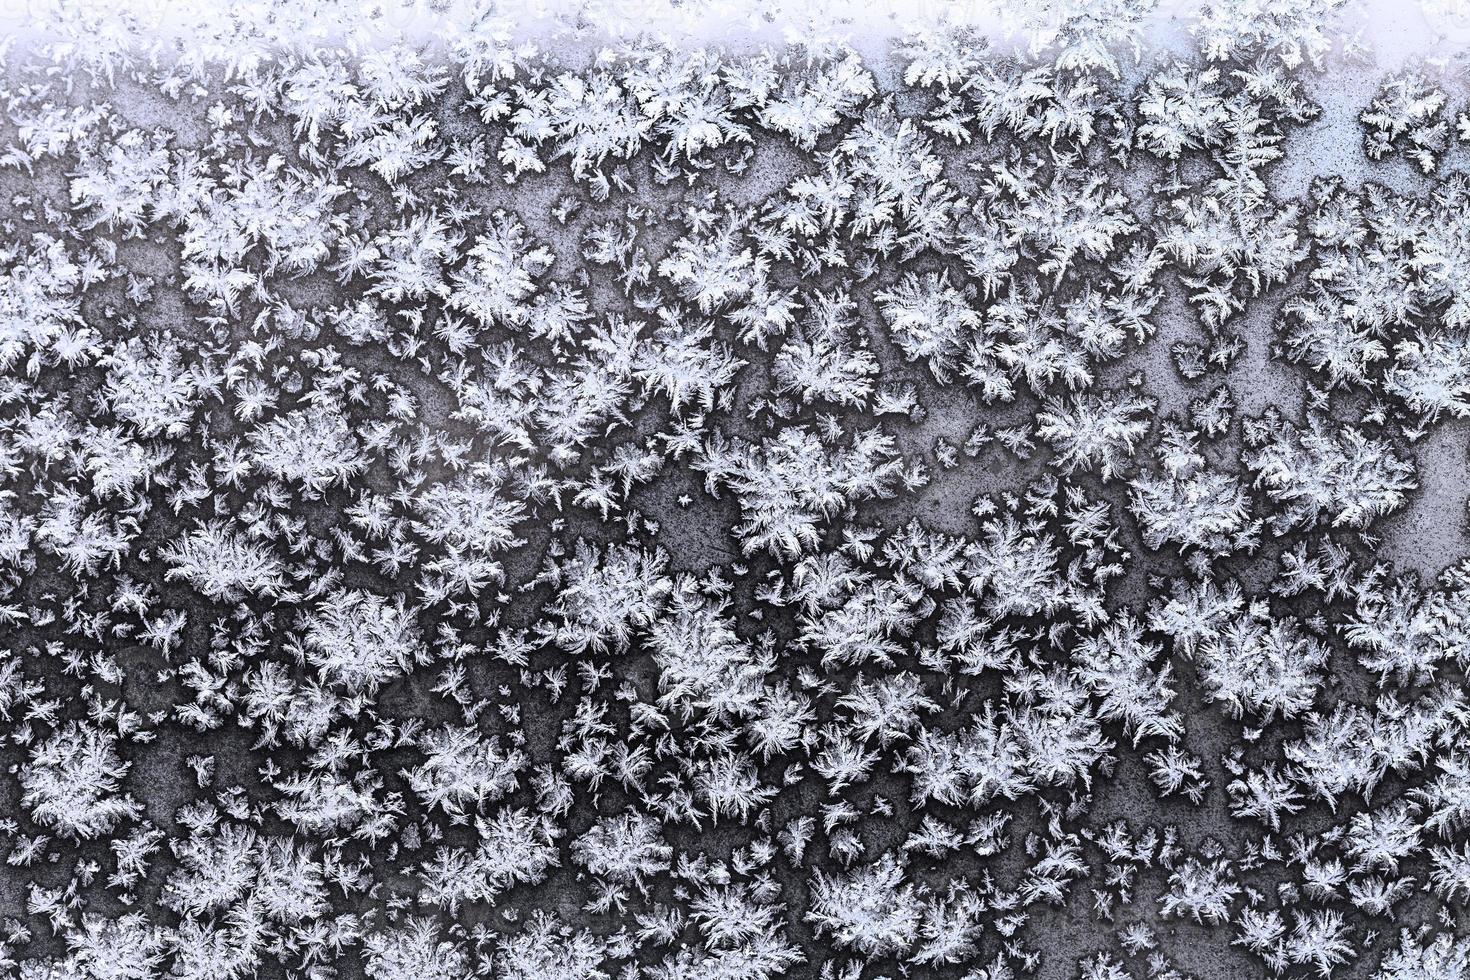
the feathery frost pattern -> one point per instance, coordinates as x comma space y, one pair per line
701, 491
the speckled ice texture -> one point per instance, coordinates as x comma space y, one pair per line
726, 490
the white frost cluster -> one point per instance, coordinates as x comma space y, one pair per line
822, 506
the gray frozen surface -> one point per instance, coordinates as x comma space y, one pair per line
810, 494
